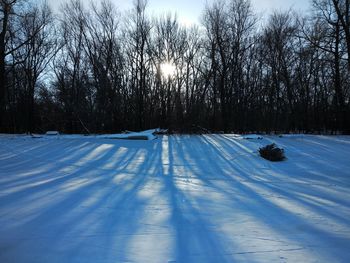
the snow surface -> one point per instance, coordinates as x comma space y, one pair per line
174, 199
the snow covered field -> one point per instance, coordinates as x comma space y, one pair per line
174, 199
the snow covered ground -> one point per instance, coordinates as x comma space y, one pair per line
174, 199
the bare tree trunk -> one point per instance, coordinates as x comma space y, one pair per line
343, 13
3, 78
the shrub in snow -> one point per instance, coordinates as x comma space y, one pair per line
272, 153
194, 129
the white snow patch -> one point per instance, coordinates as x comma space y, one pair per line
52, 133
143, 135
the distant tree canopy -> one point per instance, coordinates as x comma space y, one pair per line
93, 69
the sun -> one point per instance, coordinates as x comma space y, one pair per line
168, 69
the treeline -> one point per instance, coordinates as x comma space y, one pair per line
91, 69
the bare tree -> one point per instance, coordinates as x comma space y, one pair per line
35, 55
9, 9
138, 35
103, 50
332, 36
342, 9
73, 83
229, 28
278, 39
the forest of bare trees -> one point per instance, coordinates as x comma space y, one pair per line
89, 68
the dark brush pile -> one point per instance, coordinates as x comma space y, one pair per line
272, 153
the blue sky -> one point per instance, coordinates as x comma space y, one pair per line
189, 11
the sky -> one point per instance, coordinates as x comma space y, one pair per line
190, 11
